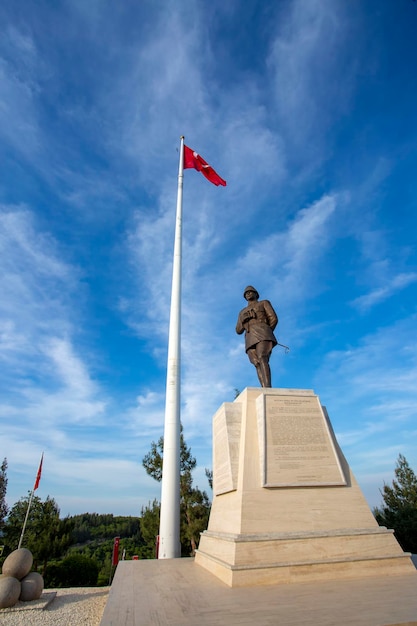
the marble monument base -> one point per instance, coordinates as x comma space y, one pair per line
286, 507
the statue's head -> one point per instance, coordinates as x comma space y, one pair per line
249, 290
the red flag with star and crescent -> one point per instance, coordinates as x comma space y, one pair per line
38, 475
193, 160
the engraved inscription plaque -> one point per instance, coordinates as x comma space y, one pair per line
226, 439
296, 444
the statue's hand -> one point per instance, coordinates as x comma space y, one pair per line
250, 314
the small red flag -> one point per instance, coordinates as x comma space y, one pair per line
39, 474
193, 159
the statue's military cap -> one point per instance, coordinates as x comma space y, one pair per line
250, 288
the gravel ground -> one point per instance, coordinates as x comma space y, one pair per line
81, 606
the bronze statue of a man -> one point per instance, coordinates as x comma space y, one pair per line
258, 320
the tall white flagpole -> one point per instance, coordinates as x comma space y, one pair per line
169, 526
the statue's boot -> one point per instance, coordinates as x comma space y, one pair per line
260, 375
264, 373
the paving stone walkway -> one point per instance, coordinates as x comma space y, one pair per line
177, 592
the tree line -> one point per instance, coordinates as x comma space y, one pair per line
56, 542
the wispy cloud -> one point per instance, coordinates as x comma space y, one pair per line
392, 286
371, 395
304, 61
36, 282
19, 90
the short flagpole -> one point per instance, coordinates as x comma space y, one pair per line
26, 519
169, 528
38, 477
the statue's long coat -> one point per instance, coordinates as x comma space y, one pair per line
260, 328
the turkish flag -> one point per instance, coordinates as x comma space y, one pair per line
193, 159
38, 475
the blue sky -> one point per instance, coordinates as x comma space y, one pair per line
308, 109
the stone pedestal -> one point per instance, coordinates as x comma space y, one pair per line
286, 507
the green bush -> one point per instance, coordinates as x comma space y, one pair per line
53, 575
103, 579
74, 571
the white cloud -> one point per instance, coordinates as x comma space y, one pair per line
298, 252
371, 396
392, 286
303, 59
71, 370
37, 287
20, 69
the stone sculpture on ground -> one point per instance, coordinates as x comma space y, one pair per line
16, 580
9, 591
32, 587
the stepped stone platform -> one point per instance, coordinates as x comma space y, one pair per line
178, 592
286, 506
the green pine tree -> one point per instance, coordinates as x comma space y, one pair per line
46, 535
399, 508
194, 504
3, 488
